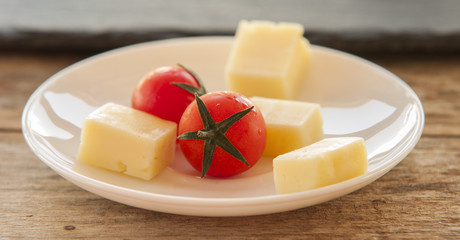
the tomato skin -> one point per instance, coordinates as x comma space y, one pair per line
156, 95
248, 135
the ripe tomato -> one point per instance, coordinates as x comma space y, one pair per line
247, 134
156, 95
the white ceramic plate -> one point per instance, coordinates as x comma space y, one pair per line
358, 98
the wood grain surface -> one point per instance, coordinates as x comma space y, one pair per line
418, 199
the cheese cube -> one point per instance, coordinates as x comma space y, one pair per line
290, 124
268, 59
323, 163
128, 141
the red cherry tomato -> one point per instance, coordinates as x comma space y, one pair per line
248, 134
156, 95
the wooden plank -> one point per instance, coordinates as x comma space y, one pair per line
417, 199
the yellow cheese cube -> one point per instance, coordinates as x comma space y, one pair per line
268, 59
290, 124
128, 141
323, 163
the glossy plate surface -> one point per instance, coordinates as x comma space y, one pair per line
358, 98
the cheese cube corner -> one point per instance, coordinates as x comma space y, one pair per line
323, 163
126, 140
268, 59
290, 124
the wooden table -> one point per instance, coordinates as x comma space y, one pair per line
419, 198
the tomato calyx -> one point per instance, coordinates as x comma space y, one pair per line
213, 135
189, 88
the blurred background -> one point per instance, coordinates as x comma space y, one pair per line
350, 25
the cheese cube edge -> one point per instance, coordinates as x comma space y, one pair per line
110, 140
329, 161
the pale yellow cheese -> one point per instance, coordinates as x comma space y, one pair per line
268, 59
128, 141
290, 124
323, 163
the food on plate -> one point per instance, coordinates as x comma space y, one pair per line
268, 59
128, 141
290, 124
222, 134
323, 163
158, 92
